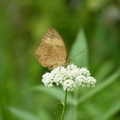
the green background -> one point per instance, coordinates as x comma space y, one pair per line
89, 25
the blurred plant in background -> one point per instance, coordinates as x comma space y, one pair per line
90, 25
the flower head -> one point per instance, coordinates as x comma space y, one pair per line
69, 77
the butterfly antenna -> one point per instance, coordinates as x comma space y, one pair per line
78, 54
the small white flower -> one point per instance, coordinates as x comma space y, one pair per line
91, 81
80, 80
68, 85
85, 72
71, 67
69, 77
48, 79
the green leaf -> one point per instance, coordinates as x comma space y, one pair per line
23, 115
43, 113
69, 114
100, 87
102, 71
110, 112
55, 92
78, 46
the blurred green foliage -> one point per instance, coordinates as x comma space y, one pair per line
22, 25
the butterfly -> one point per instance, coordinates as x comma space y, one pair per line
52, 51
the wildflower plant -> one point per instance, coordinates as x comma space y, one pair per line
68, 77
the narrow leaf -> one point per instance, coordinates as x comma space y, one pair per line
23, 115
55, 92
110, 112
78, 46
106, 83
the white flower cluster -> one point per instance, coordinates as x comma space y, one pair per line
69, 77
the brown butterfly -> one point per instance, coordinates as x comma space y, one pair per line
52, 51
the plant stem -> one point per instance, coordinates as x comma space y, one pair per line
64, 106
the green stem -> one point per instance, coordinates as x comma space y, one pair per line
64, 106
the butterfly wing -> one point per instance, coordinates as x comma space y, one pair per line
52, 51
